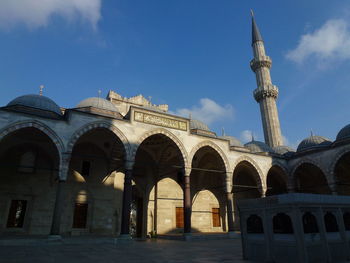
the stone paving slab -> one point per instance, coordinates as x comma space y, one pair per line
157, 251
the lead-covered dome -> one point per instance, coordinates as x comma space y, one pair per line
233, 140
198, 125
98, 103
344, 133
314, 141
258, 147
37, 102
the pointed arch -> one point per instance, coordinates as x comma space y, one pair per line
37, 125
215, 147
100, 124
166, 133
260, 178
307, 161
277, 180
337, 157
307, 183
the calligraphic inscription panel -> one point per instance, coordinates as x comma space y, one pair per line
160, 121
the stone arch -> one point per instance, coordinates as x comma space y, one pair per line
311, 162
259, 180
215, 148
307, 161
335, 178
56, 140
284, 177
166, 133
335, 160
100, 124
38, 125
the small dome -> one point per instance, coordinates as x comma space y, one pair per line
258, 147
233, 141
98, 103
37, 102
344, 133
313, 141
196, 124
282, 150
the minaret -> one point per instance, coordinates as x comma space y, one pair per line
266, 93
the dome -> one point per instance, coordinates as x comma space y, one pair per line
37, 102
257, 147
233, 141
98, 103
283, 150
344, 133
313, 141
196, 124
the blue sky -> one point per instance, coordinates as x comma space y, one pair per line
191, 54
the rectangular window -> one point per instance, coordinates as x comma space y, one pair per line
85, 168
216, 217
80, 215
16, 213
179, 217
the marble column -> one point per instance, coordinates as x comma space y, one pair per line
58, 209
187, 202
127, 196
229, 204
60, 196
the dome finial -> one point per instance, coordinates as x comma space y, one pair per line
99, 93
253, 139
223, 131
41, 87
312, 133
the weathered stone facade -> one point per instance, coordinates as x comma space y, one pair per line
95, 168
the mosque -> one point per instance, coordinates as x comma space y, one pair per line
126, 167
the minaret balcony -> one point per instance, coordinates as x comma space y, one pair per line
262, 61
265, 92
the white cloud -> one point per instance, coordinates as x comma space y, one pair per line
330, 41
37, 13
246, 136
208, 111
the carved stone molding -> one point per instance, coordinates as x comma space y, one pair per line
264, 62
266, 92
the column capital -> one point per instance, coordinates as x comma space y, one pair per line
187, 171
64, 166
228, 182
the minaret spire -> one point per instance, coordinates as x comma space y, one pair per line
266, 93
256, 36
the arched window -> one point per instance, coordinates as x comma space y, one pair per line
346, 218
310, 223
27, 162
330, 222
282, 224
254, 225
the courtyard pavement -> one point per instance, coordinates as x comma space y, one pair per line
171, 251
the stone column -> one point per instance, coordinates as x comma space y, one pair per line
127, 196
187, 202
342, 231
297, 222
229, 204
60, 196
323, 233
58, 209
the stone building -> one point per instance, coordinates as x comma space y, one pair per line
121, 166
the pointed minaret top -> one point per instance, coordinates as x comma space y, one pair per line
256, 36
